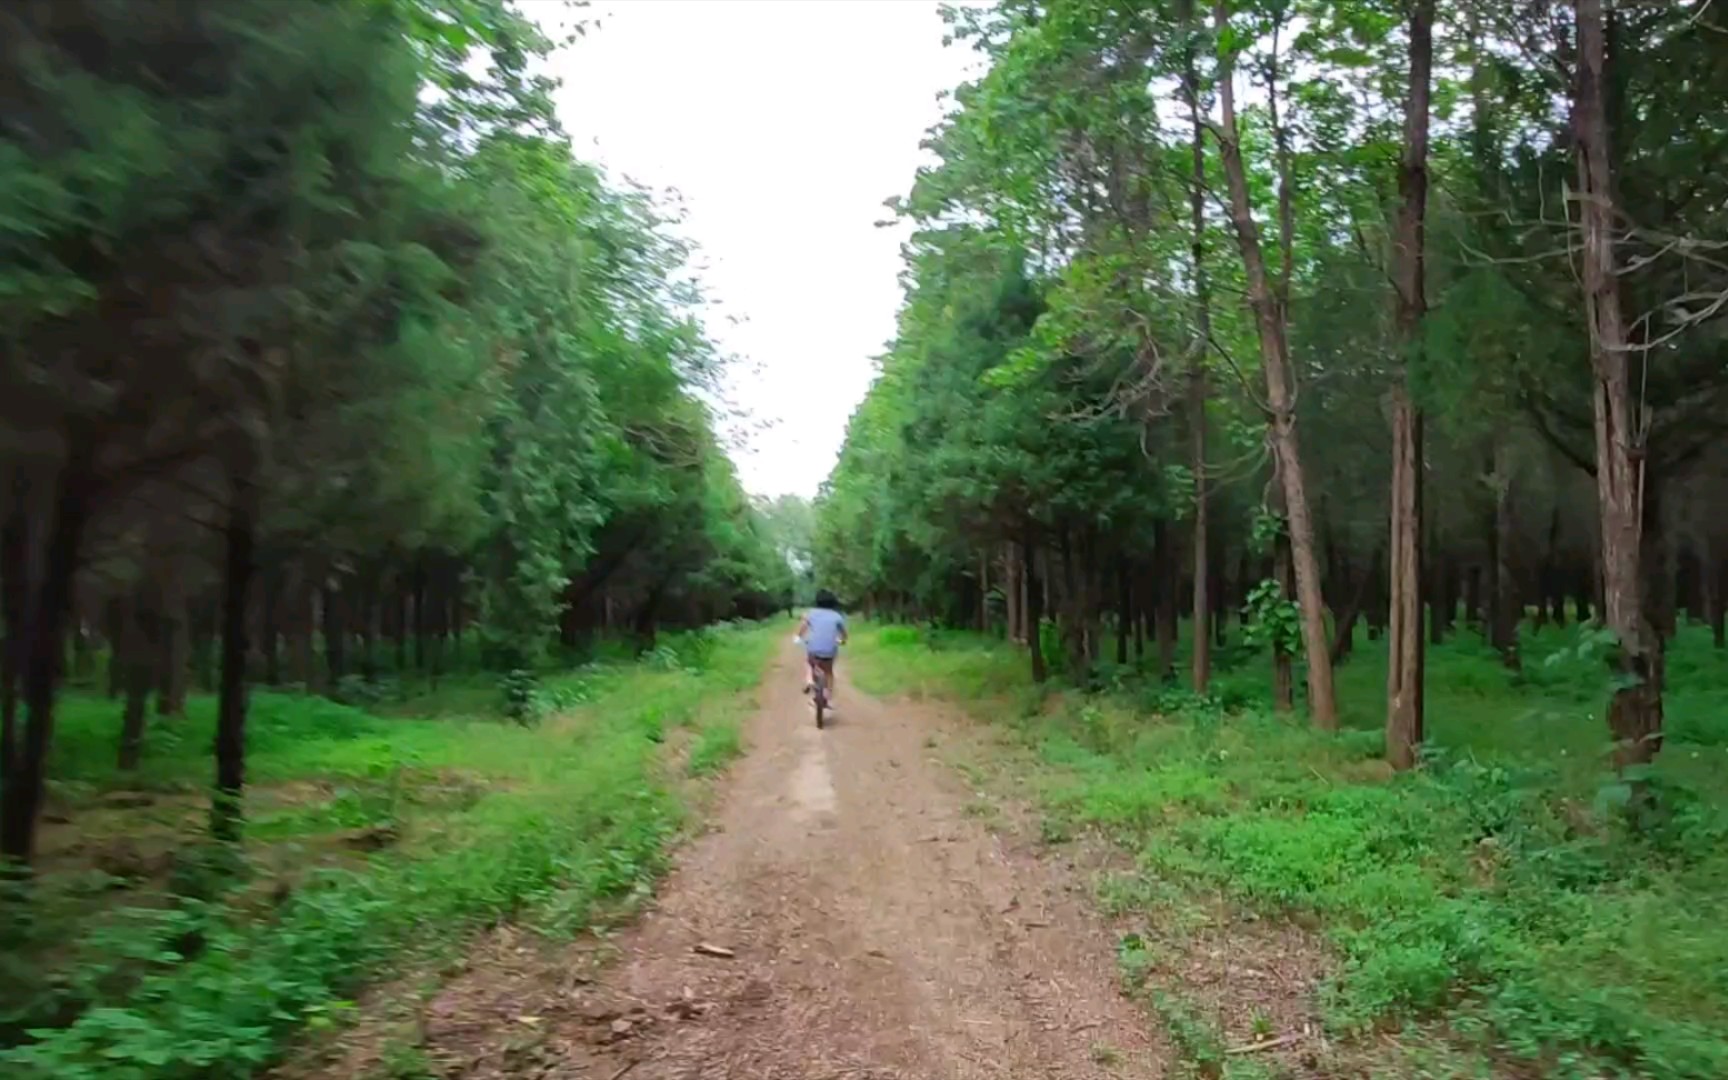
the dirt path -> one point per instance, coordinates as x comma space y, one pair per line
877, 931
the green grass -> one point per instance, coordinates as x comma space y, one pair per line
1499, 892
475, 821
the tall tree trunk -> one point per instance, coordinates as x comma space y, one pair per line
1473, 598
1344, 635
1404, 673
1635, 704
1200, 659
1034, 606
43, 654
239, 538
17, 581
1269, 306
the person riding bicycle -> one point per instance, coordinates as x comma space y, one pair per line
823, 631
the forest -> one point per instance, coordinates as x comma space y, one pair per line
1400, 320
330, 374
1343, 383
1297, 443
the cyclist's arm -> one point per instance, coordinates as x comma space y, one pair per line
842, 638
804, 626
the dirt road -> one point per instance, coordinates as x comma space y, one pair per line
875, 930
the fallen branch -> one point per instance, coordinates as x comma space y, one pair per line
1269, 1044
706, 949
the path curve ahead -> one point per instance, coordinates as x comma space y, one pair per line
877, 929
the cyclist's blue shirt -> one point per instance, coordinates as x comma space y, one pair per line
822, 638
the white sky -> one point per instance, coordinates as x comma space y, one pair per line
783, 124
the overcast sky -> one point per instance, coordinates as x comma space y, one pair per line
784, 124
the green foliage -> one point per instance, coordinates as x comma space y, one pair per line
1276, 623
562, 819
1485, 890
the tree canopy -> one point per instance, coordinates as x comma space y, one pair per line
1176, 267
319, 337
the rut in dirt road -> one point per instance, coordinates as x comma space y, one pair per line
876, 931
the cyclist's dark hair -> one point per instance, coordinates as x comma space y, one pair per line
826, 599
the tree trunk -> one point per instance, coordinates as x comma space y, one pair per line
226, 810
1344, 636
1404, 672
1270, 322
1635, 704
17, 585
1200, 666
1034, 606
1507, 608
1473, 597
42, 652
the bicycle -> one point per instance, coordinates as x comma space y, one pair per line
819, 693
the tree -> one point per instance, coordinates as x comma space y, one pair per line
1398, 248
1269, 296
1404, 674
1635, 709
314, 319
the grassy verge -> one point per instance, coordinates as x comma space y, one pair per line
373, 839
1497, 899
